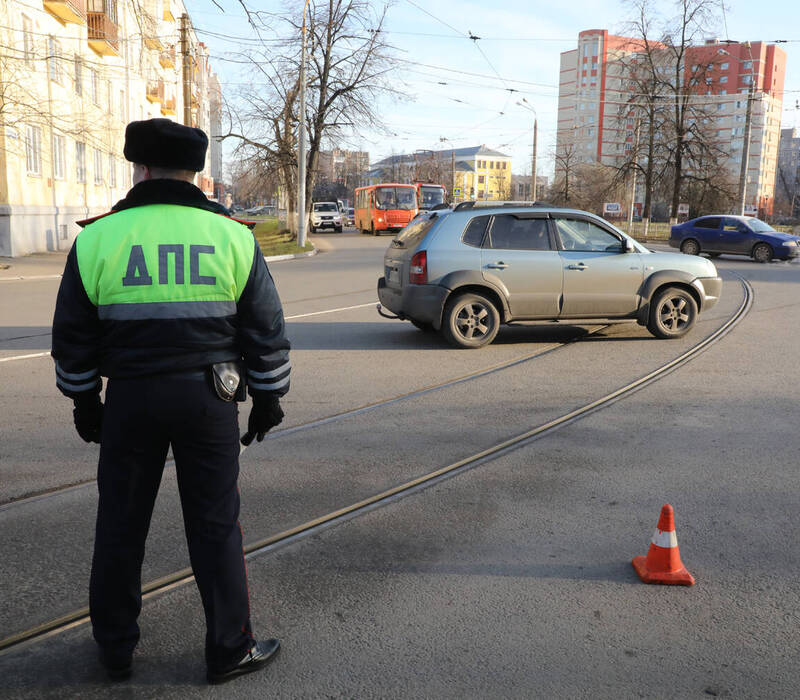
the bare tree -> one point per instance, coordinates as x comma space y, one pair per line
348, 60
678, 145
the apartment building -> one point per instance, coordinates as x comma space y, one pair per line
476, 172
599, 90
342, 167
787, 186
73, 73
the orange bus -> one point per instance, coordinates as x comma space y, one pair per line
386, 207
429, 195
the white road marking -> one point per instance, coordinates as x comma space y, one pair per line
32, 277
288, 318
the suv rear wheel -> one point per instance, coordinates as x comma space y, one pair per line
470, 321
673, 312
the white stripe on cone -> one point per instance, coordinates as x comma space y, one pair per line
665, 538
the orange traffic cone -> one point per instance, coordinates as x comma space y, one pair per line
663, 562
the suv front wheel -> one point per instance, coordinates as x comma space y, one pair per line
673, 312
470, 321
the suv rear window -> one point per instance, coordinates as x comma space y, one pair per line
414, 232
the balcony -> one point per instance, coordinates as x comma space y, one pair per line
67, 11
168, 106
150, 32
155, 91
102, 34
167, 58
167, 15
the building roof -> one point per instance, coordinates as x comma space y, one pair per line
481, 150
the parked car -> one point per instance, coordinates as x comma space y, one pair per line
737, 235
350, 217
467, 270
325, 215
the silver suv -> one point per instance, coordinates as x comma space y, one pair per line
325, 215
465, 271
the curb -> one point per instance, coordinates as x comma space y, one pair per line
290, 256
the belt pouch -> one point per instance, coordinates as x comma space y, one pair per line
227, 379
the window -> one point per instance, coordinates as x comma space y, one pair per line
511, 233
724, 66
59, 165
747, 79
748, 65
710, 66
481, 179
710, 222
33, 149
78, 76
720, 107
110, 96
54, 59
27, 40
80, 162
473, 234
491, 164
98, 167
95, 87
577, 234
723, 79
112, 170
122, 105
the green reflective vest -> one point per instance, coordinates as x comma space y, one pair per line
164, 261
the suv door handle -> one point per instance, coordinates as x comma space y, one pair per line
579, 266
500, 265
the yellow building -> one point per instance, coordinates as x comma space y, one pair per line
73, 73
476, 172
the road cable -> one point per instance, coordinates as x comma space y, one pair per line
179, 578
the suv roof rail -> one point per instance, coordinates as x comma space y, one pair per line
481, 203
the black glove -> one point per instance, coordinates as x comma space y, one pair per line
265, 414
88, 416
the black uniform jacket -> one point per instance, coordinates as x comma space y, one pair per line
86, 347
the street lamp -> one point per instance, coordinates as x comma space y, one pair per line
747, 128
527, 105
442, 139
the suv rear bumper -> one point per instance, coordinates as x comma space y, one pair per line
422, 302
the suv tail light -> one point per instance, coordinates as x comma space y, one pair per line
418, 272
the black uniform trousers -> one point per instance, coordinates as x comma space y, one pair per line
143, 417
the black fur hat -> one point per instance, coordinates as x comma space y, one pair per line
164, 143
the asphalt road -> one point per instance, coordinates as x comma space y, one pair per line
512, 579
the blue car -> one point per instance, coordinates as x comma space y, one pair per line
735, 235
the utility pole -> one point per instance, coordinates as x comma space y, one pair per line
533, 160
747, 131
187, 71
452, 174
301, 151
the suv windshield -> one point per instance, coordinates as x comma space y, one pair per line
325, 206
395, 198
759, 226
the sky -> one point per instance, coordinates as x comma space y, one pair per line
463, 92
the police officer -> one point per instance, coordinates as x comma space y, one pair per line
172, 301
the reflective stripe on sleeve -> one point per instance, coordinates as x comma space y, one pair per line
285, 367
269, 386
166, 309
75, 376
88, 386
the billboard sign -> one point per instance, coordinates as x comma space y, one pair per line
750, 210
683, 209
612, 209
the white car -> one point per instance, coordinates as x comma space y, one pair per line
325, 215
